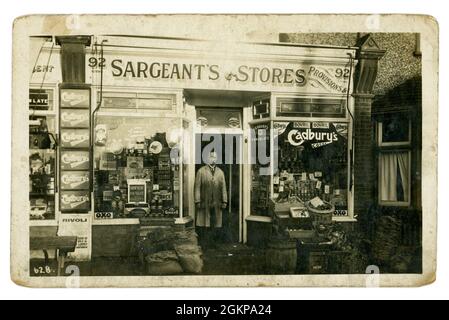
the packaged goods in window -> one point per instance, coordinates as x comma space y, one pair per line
136, 161
74, 160
75, 180
313, 162
75, 201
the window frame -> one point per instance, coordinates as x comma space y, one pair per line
393, 147
381, 143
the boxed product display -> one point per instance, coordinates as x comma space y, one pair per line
137, 178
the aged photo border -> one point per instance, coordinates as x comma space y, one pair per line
99, 24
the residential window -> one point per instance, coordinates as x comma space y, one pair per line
394, 142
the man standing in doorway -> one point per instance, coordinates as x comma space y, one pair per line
210, 199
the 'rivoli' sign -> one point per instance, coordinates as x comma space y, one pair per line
80, 226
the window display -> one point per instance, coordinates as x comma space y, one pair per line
260, 169
137, 172
42, 167
312, 163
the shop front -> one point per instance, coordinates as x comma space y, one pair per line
243, 143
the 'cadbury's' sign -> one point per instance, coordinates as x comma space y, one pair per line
75, 180
74, 160
75, 98
75, 138
75, 200
74, 118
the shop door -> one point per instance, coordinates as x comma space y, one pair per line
228, 147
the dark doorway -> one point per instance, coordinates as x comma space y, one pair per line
229, 150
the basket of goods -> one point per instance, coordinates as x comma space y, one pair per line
320, 211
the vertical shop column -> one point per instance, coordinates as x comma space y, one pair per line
75, 163
368, 57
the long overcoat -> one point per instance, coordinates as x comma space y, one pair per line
210, 192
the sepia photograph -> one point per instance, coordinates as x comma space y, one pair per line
280, 158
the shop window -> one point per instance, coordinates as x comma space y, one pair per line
394, 142
42, 167
187, 157
312, 163
306, 107
260, 169
137, 168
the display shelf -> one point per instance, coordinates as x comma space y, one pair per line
43, 223
38, 194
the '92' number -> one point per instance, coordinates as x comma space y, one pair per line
97, 62
342, 73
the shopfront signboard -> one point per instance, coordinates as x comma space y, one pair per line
208, 70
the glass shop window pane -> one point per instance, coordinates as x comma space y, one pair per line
136, 166
42, 167
312, 162
260, 169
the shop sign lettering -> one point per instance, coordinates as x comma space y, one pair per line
77, 220
314, 134
297, 137
227, 74
43, 68
104, 215
213, 72
38, 99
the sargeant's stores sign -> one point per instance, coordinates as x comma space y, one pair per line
207, 73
